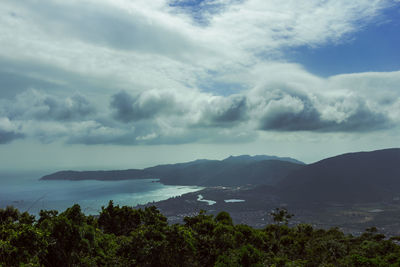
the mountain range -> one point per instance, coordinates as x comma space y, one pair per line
232, 171
359, 177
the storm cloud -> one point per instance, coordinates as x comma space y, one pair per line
290, 113
8, 131
294, 113
221, 111
7, 137
33, 104
146, 105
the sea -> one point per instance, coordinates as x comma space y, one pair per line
27, 192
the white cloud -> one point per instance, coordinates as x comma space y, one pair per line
160, 58
138, 44
6, 124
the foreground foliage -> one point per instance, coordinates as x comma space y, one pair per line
122, 236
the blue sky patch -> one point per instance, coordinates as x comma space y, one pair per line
375, 48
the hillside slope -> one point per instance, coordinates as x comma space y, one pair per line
348, 178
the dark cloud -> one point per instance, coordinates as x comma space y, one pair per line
224, 112
166, 117
362, 120
9, 136
122, 103
76, 107
231, 112
286, 118
146, 105
33, 104
306, 117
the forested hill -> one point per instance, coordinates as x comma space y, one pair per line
232, 171
349, 178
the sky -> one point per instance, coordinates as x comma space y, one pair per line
105, 84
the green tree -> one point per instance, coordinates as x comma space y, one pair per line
281, 216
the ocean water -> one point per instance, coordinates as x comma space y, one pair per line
27, 193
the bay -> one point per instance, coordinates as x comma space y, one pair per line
27, 193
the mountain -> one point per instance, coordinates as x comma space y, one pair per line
243, 158
349, 178
232, 171
225, 173
98, 175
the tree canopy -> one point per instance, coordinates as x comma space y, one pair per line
123, 236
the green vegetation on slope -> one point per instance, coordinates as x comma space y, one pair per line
122, 236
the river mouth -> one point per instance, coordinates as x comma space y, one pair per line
209, 202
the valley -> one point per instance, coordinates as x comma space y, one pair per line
254, 211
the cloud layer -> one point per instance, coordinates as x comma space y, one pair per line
171, 117
170, 72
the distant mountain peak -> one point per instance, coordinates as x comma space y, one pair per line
260, 158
